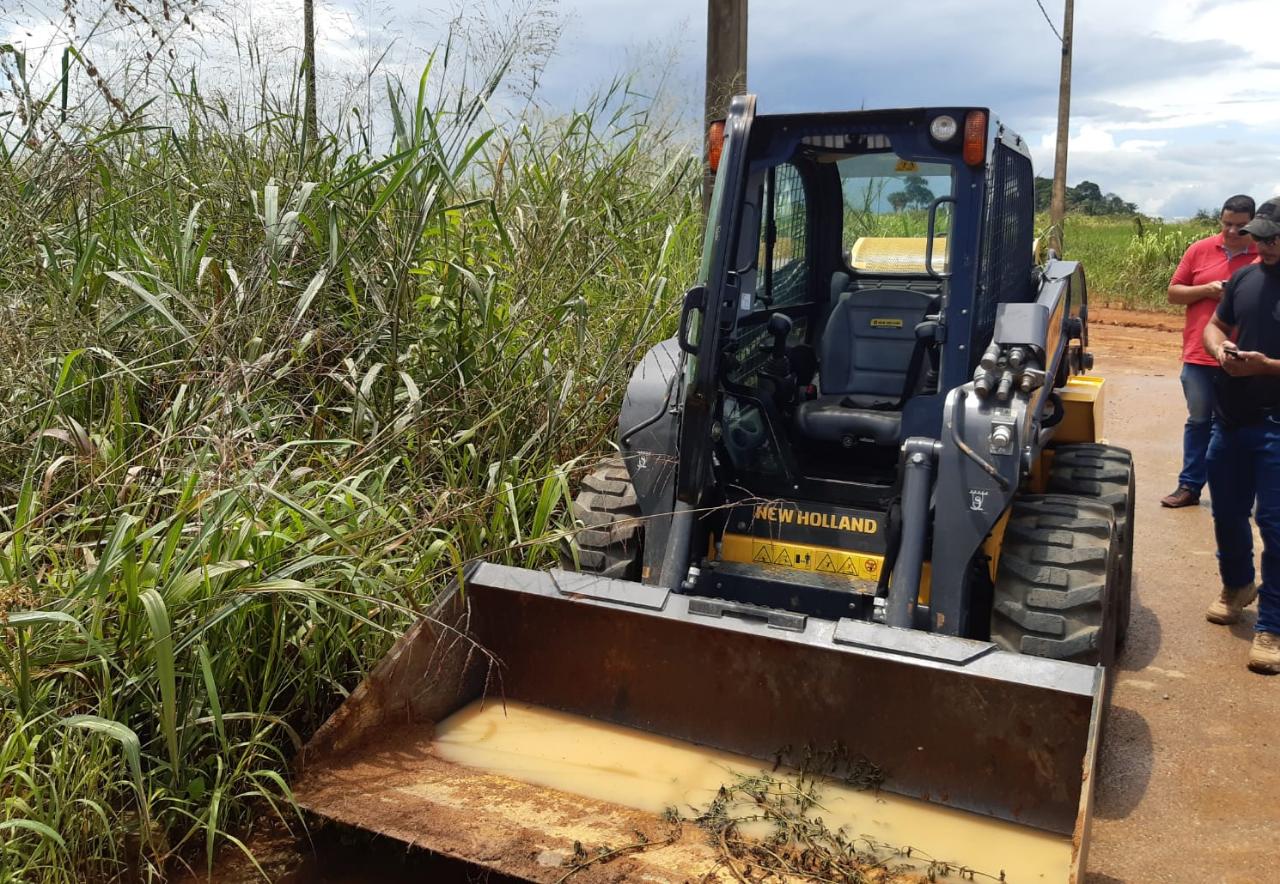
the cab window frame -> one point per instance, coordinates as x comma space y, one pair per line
848, 241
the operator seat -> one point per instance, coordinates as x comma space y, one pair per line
869, 357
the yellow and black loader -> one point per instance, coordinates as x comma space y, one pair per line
860, 500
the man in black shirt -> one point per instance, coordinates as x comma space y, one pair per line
1244, 449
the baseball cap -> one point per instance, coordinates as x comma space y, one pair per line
1267, 221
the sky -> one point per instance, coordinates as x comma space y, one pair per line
1175, 104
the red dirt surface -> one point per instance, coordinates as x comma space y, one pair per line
1189, 786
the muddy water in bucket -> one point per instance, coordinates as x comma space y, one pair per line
611, 763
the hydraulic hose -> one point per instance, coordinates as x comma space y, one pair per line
968, 452
917, 486
676, 559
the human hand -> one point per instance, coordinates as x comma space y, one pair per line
1214, 289
1226, 353
1244, 362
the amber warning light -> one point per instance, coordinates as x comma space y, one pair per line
715, 144
975, 138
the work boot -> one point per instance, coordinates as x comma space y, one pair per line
1230, 604
1264, 656
1183, 496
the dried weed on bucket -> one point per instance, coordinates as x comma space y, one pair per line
801, 846
797, 845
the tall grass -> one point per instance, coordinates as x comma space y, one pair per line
262, 399
1128, 260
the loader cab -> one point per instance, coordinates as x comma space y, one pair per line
847, 276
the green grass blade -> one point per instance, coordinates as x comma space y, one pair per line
151, 301
122, 735
183, 586
308, 295
33, 826
211, 692
14, 619
162, 652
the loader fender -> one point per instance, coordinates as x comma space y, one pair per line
647, 433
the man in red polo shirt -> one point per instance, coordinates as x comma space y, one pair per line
1198, 282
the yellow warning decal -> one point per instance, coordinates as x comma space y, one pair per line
906, 166
821, 559
886, 323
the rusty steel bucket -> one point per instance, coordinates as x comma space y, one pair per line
952, 722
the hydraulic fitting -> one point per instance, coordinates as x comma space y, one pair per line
1006, 386
1001, 436
990, 357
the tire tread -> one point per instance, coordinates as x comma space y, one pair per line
1051, 589
610, 538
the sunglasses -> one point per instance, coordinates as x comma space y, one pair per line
1265, 240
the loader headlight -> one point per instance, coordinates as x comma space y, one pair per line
943, 128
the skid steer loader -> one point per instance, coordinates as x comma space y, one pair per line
859, 500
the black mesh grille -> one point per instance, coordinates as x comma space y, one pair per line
1005, 271
790, 278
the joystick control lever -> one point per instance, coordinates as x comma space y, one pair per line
776, 372
780, 327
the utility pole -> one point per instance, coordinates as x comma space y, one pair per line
1058, 204
726, 66
310, 126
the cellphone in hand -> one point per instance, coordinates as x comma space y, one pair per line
1231, 351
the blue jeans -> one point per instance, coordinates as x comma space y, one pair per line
1244, 469
1197, 386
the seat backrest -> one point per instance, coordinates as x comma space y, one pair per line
869, 339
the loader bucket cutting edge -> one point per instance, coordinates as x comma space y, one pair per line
953, 722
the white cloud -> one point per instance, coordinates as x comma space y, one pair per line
1139, 145
1164, 115
42, 42
1174, 101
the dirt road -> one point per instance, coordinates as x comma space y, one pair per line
1190, 782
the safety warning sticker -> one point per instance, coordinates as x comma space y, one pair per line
744, 548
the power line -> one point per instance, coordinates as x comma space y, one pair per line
1049, 21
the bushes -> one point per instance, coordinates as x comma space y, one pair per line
260, 405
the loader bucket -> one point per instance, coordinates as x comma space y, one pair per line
979, 750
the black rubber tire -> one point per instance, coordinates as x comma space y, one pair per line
1105, 473
611, 540
1051, 594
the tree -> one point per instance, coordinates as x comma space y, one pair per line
899, 200
1117, 206
917, 191
1086, 198
1044, 193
